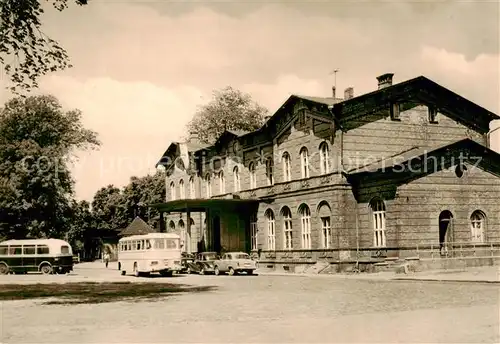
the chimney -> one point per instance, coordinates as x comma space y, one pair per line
385, 80
333, 91
348, 93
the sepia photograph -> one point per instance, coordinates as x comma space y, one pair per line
198, 171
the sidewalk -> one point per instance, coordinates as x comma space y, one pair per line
485, 274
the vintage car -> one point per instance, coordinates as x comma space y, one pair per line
203, 263
234, 263
186, 260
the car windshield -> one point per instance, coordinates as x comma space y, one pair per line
241, 256
210, 256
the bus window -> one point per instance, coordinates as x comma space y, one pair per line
15, 250
42, 249
65, 249
171, 244
148, 244
129, 246
4, 250
139, 247
29, 249
134, 245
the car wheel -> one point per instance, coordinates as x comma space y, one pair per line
188, 271
4, 269
216, 271
250, 272
231, 272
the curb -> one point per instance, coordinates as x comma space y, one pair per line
444, 280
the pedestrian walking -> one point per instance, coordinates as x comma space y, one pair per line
106, 259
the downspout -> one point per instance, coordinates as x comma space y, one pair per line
357, 237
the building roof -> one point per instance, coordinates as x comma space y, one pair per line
137, 227
420, 161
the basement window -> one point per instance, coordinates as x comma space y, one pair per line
395, 111
432, 114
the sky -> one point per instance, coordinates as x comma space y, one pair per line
141, 68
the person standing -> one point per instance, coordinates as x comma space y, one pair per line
106, 259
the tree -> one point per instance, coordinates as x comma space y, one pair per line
108, 209
37, 139
230, 109
81, 225
25, 51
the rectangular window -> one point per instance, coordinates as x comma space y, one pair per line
432, 114
271, 235
395, 111
172, 244
29, 249
326, 231
129, 246
65, 249
4, 250
42, 249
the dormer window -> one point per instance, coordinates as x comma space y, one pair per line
432, 114
395, 111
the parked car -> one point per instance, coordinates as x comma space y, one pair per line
186, 260
234, 263
203, 263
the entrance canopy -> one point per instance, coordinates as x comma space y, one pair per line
202, 204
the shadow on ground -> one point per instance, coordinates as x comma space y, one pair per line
95, 292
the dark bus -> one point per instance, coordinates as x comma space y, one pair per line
41, 255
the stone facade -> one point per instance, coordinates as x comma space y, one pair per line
322, 204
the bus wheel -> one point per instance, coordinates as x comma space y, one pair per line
167, 273
46, 269
4, 269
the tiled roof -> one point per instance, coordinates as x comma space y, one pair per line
321, 100
137, 227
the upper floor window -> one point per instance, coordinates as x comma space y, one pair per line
395, 111
269, 171
208, 186
222, 183
236, 179
192, 190
287, 168
378, 217
172, 191
304, 162
477, 222
432, 114
253, 179
324, 158
182, 190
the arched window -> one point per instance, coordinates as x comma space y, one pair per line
182, 190
478, 224
222, 183
304, 163
208, 186
324, 158
287, 168
305, 221
378, 217
269, 171
271, 231
287, 228
324, 212
172, 191
236, 179
192, 189
253, 179
253, 231
171, 226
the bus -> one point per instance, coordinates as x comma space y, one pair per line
149, 253
41, 255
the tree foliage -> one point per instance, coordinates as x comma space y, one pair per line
25, 51
36, 188
229, 109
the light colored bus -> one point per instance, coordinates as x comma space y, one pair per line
153, 252
43, 255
